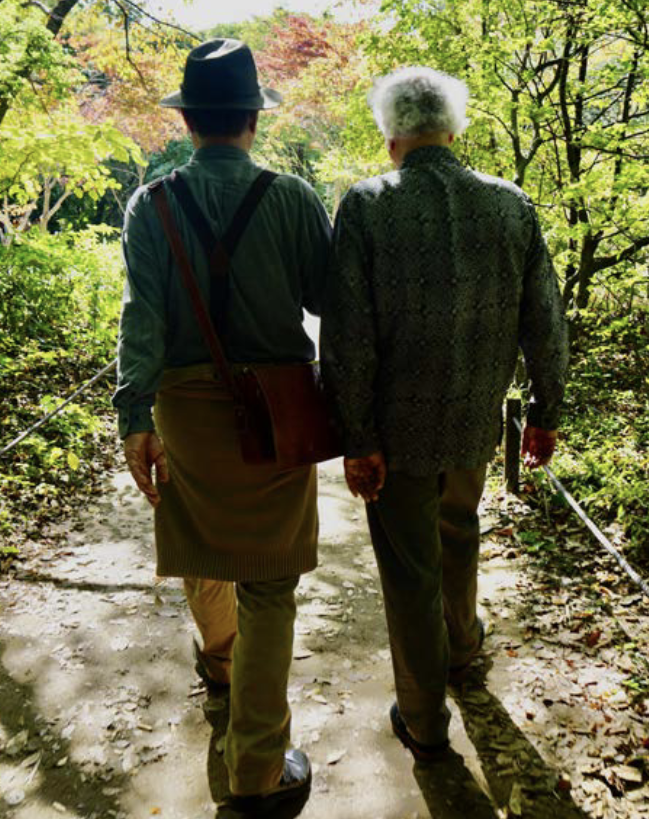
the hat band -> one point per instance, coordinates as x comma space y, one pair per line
192, 96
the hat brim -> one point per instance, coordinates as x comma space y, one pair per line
267, 98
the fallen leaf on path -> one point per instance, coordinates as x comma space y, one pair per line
592, 638
31, 760
335, 756
627, 773
515, 802
17, 743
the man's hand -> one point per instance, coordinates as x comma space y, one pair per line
366, 476
142, 450
538, 446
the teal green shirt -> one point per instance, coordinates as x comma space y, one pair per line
277, 271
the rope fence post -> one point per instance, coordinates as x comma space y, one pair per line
512, 444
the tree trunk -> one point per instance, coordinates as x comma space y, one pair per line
587, 270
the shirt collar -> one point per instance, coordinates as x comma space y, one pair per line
429, 154
215, 153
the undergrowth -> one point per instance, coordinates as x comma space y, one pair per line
58, 324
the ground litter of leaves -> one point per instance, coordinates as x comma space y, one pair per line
101, 714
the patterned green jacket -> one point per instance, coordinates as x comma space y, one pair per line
439, 274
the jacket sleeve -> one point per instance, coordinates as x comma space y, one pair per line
141, 344
348, 336
543, 333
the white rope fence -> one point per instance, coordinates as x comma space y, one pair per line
59, 409
602, 539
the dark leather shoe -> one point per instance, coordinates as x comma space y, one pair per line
457, 673
421, 752
293, 787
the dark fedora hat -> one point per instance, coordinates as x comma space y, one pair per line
222, 74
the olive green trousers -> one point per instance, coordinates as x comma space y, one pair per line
425, 533
247, 631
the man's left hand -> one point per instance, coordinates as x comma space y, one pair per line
366, 476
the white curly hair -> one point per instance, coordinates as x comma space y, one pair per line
414, 101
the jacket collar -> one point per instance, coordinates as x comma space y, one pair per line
429, 154
213, 153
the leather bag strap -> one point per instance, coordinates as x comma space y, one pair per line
161, 202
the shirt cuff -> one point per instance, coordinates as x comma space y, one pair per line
135, 419
362, 446
542, 417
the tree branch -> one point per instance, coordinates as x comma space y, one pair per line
38, 5
629, 252
161, 22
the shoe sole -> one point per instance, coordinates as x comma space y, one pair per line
263, 805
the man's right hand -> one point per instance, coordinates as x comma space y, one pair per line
366, 476
538, 446
142, 451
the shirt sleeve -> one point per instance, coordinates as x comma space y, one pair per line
543, 333
348, 335
316, 238
141, 346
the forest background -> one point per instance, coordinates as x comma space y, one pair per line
559, 104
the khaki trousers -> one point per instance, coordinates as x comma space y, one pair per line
247, 631
425, 533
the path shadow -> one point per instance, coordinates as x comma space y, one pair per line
38, 578
514, 770
81, 792
451, 791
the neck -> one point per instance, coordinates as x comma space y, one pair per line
400, 147
243, 141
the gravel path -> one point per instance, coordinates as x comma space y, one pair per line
101, 714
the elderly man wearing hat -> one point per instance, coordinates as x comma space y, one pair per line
239, 535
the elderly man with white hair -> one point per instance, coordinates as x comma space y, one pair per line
440, 274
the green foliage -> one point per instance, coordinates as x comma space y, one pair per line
61, 463
61, 290
603, 453
59, 304
177, 152
33, 65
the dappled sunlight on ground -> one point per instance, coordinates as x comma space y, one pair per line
101, 717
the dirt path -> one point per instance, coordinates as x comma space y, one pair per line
101, 717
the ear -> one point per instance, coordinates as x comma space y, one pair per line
252, 123
186, 120
451, 139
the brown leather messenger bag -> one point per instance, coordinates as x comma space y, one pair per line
281, 411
